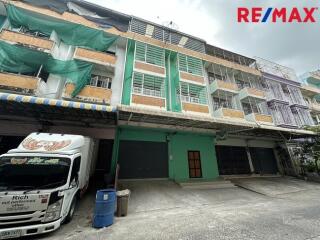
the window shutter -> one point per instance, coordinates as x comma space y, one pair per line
140, 52
155, 55
195, 66
137, 80
183, 63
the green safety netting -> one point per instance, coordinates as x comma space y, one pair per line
70, 33
19, 59
175, 82
2, 20
127, 81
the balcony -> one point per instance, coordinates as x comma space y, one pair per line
314, 106
257, 117
254, 93
149, 68
218, 86
191, 77
18, 83
149, 101
195, 108
29, 40
89, 93
100, 58
229, 113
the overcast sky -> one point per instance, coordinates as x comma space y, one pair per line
293, 45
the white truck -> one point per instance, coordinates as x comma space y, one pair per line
40, 182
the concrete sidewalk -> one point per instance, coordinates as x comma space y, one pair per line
163, 210
273, 186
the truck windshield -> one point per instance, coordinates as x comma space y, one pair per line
29, 172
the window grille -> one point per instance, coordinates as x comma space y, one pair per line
150, 54
148, 85
190, 65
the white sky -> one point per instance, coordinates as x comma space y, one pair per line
293, 45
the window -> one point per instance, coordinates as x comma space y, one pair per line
190, 65
148, 85
149, 54
194, 164
75, 168
192, 93
100, 81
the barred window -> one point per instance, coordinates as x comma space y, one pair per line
190, 65
149, 85
150, 54
192, 93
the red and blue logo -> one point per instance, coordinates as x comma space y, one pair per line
285, 15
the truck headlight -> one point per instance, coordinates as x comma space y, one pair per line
53, 211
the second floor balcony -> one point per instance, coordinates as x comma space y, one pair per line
194, 104
225, 108
10, 82
99, 91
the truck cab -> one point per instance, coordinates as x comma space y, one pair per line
40, 183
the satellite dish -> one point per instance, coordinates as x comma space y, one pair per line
171, 24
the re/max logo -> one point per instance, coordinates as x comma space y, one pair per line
293, 15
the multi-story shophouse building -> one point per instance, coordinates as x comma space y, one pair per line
311, 93
161, 103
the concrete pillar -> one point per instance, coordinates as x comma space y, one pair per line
250, 159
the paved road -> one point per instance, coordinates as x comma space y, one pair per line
162, 210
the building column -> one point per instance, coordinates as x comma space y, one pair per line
250, 159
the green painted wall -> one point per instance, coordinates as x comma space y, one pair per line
178, 146
138, 134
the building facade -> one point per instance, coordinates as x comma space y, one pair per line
311, 93
162, 103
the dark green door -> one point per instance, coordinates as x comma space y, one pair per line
142, 159
263, 160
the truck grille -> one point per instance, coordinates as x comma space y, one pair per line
15, 214
21, 219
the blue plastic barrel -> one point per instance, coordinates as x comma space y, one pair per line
105, 208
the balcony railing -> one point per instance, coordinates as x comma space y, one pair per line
229, 113
148, 92
149, 101
219, 85
89, 93
258, 117
95, 57
18, 83
29, 40
255, 93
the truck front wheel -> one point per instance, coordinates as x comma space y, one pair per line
71, 210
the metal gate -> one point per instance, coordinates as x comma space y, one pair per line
263, 160
232, 160
142, 159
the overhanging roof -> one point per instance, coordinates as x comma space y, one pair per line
47, 109
146, 116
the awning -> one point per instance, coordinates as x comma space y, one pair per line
46, 109
129, 115
55, 102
